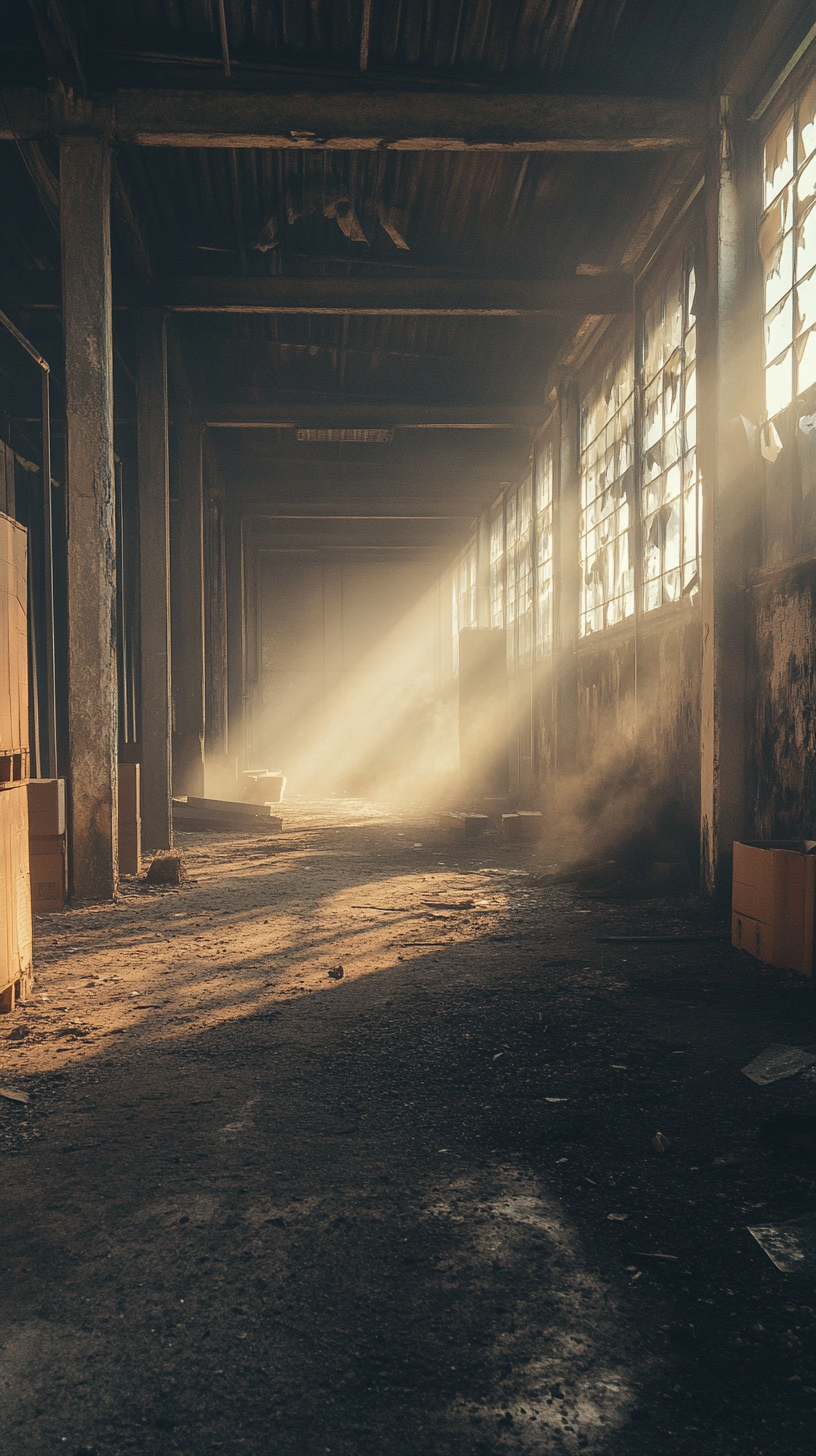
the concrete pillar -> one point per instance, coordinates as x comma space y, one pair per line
92, 689
567, 581
235, 637
729, 314
188, 618
154, 551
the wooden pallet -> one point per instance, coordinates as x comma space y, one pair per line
16, 991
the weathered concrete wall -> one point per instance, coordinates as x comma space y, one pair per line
784, 623
638, 752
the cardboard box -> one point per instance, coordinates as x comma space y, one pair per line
773, 902
48, 868
526, 825
16, 977
130, 819
13, 639
46, 806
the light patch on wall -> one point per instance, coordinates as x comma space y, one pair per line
348, 437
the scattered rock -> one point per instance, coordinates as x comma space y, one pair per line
166, 869
336, 973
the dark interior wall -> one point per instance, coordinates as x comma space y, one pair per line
348, 693
782, 634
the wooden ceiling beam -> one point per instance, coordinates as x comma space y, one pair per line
374, 416
604, 293
366, 119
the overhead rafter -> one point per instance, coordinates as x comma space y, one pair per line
604, 293
60, 42
375, 416
483, 119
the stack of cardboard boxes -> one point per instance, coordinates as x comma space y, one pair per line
773, 901
15, 893
46, 844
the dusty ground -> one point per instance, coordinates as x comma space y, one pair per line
413, 1211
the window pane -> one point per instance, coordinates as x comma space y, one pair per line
806, 236
779, 156
776, 250
779, 327
806, 361
807, 122
806, 303
779, 383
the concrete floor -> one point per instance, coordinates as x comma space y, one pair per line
416, 1210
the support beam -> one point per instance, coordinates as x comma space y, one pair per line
601, 294
59, 39
368, 119
154, 552
376, 416
188, 618
567, 581
606, 293
92, 689
236, 727
730, 386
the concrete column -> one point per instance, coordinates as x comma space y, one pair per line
154, 551
729, 314
188, 618
92, 690
567, 581
235, 637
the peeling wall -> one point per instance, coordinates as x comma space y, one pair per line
785, 714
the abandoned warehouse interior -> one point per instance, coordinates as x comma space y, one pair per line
417, 402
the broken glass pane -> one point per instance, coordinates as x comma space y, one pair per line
779, 156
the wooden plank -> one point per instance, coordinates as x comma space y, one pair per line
92, 693
369, 118
188, 617
410, 120
15, 898
599, 295
154, 559
609, 293
376, 416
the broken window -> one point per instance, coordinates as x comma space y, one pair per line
607, 468
544, 550
497, 567
463, 599
518, 554
787, 246
670, 497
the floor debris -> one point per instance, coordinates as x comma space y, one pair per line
778, 1061
660, 1143
336, 973
790, 1246
14, 1096
165, 869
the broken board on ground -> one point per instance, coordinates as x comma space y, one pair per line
191, 813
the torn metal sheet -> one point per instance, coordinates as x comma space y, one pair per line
790, 1246
776, 1062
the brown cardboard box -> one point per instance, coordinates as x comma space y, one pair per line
46, 806
130, 821
49, 872
13, 639
15, 898
774, 900
526, 825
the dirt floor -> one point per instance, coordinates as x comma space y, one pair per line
412, 1210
